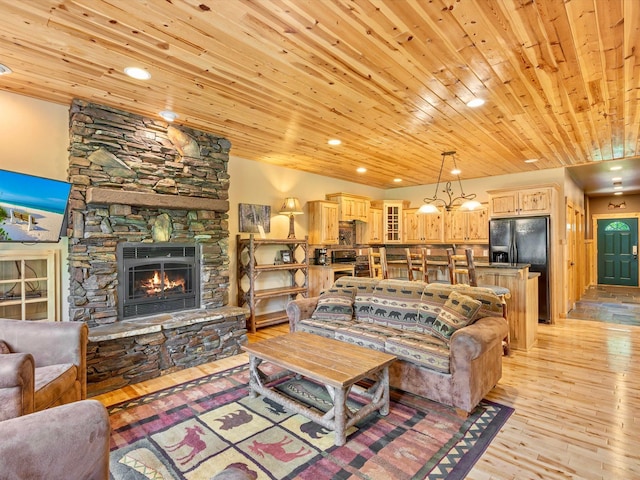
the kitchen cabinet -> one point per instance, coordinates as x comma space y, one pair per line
527, 201
467, 225
322, 277
413, 226
323, 222
434, 227
251, 265
28, 287
422, 228
351, 207
371, 231
392, 219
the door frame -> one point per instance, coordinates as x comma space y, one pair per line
594, 230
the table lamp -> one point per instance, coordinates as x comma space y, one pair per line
291, 207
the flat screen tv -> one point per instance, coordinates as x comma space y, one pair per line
32, 209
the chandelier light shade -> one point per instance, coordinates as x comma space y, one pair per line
291, 207
449, 199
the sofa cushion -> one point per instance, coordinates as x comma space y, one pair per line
51, 382
395, 303
366, 335
422, 349
4, 348
324, 328
491, 303
335, 304
429, 308
458, 311
364, 289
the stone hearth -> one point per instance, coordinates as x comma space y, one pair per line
137, 179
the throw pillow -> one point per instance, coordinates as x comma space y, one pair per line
335, 304
458, 311
4, 348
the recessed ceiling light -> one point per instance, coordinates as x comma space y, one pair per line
476, 102
456, 171
137, 73
613, 169
618, 187
531, 160
361, 169
397, 180
168, 115
617, 193
616, 179
4, 70
334, 141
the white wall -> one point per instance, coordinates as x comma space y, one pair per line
34, 140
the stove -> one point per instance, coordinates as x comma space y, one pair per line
343, 256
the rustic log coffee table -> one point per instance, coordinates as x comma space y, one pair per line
334, 364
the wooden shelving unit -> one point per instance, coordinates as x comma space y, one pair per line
249, 269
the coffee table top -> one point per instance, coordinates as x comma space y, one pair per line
326, 360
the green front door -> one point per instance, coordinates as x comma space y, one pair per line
618, 251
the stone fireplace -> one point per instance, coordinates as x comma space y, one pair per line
148, 246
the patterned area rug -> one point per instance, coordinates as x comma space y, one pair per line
196, 429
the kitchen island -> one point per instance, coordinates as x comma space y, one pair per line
522, 303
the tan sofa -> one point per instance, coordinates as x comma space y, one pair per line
61, 443
454, 366
46, 365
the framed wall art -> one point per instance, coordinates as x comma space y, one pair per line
254, 218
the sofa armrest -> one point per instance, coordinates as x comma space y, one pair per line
17, 383
69, 441
472, 341
300, 309
50, 343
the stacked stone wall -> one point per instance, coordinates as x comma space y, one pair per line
116, 151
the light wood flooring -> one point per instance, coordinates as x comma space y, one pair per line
576, 397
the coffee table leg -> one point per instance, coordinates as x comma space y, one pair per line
254, 376
384, 380
340, 416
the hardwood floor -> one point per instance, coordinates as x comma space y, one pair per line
576, 397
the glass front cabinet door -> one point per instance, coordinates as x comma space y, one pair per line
28, 286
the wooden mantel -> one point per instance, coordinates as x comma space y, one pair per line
109, 196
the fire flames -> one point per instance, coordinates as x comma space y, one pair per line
154, 285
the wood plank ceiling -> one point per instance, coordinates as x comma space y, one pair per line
390, 78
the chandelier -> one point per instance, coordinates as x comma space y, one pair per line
466, 201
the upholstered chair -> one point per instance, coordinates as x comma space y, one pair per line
61, 443
42, 365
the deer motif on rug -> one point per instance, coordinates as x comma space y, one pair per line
191, 439
277, 451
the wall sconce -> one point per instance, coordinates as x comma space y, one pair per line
291, 207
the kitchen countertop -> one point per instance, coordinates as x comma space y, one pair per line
335, 266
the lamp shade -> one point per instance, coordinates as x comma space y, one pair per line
291, 206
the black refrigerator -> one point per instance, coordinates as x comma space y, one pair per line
524, 240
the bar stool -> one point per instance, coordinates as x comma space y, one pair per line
416, 263
378, 263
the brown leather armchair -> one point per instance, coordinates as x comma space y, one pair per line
66, 442
46, 367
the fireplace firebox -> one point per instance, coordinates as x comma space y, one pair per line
156, 278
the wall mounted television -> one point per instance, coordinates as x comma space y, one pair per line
32, 209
